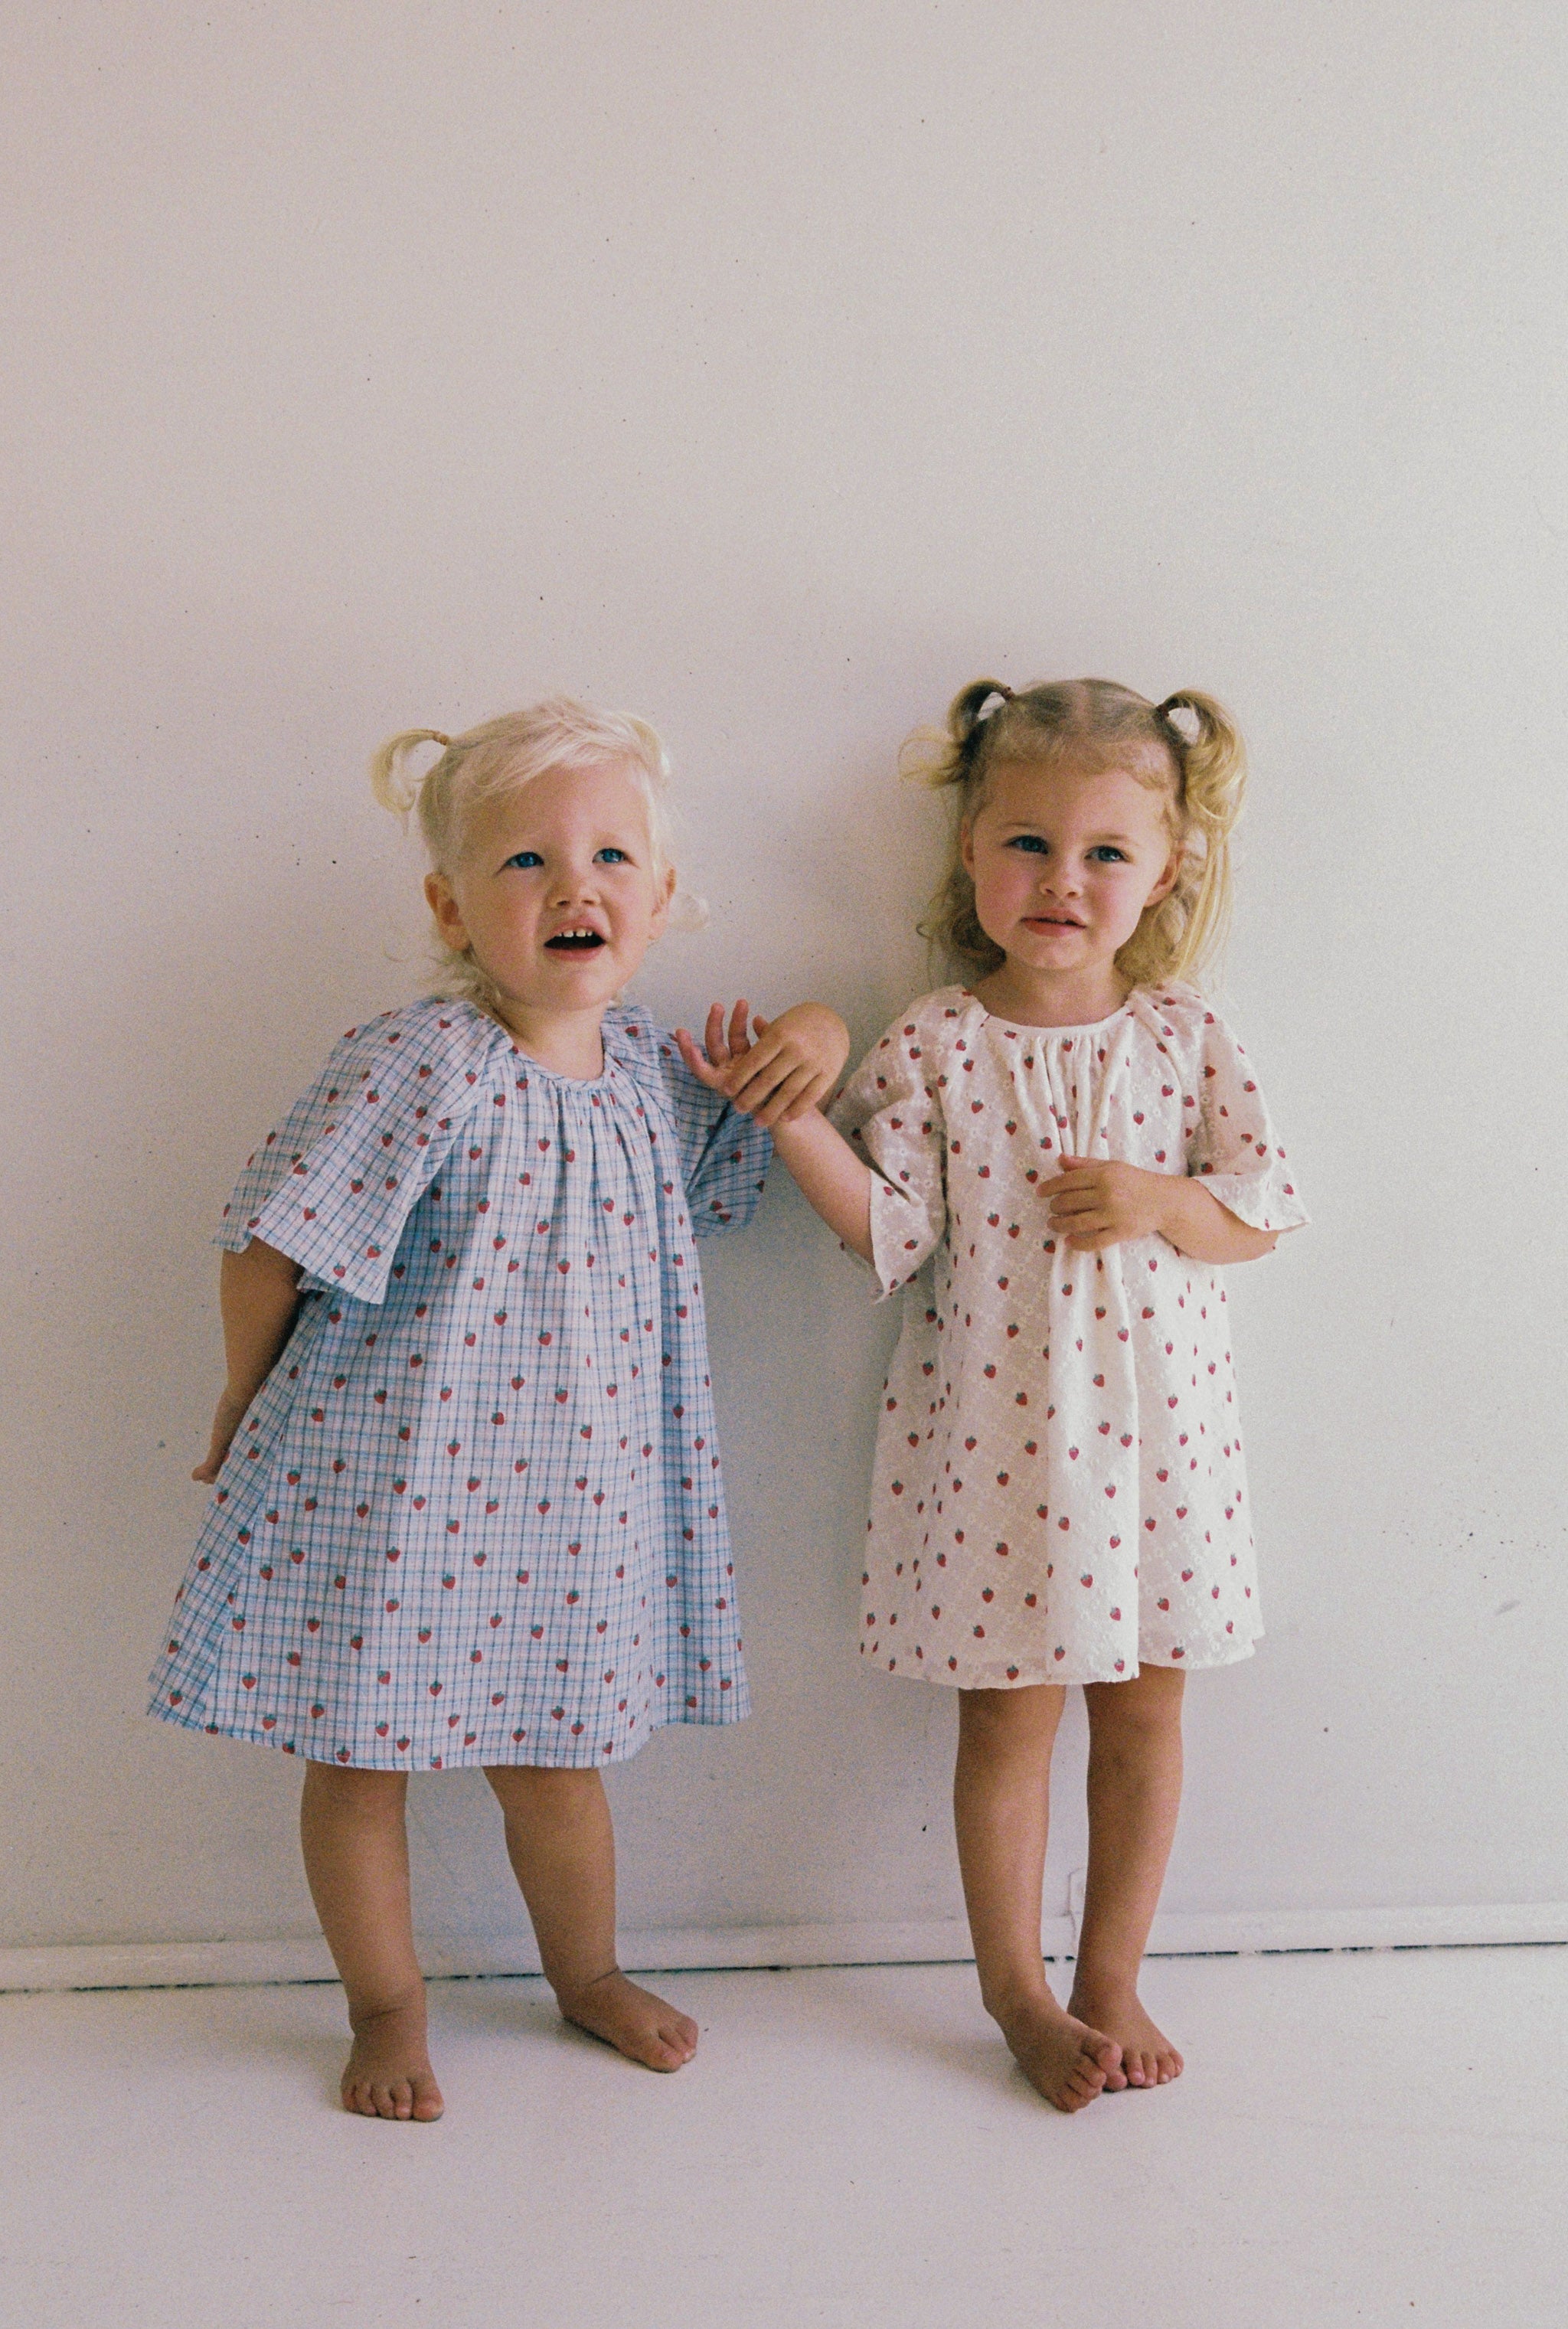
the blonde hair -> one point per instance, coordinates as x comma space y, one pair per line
499, 757
1202, 773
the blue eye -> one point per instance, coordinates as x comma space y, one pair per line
612, 857
1106, 852
1031, 843
526, 858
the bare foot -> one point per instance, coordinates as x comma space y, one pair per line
1063, 2059
1147, 2056
634, 2020
388, 2074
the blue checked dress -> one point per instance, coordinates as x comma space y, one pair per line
474, 1514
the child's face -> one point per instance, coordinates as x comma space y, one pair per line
1065, 858
556, 891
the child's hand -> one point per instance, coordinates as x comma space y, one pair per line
786, 1072
225, 1423
1096, 1202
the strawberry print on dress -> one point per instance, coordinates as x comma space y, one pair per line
1058, 1493
474, 1514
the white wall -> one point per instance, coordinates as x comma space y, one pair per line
773, 372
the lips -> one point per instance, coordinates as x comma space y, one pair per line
577, 939
1053, 922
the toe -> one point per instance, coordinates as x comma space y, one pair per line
428, 2102
402, 2099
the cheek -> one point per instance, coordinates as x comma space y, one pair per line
1005, 875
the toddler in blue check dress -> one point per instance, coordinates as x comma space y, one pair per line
468, 1506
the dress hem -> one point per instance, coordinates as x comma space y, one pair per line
1018, 1679
463, 1757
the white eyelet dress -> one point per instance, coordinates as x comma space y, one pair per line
1058, 1493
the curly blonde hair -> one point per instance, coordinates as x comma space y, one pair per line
1095, 722
502, 755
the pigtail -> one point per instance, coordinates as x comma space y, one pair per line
955, 757
1188, 928
390, 781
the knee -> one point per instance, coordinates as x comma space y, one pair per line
1135, 1719
532, 1789
371, 1797
998, 1725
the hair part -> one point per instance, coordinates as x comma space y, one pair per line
499, 757
1200, 767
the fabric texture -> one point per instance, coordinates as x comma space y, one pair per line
474, 1514
1059, 1492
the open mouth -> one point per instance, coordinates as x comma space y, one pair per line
579, 941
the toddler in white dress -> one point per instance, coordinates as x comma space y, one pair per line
1057, 1160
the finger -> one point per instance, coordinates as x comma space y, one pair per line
789, 1091
762, 1069
1082, 1177
696, 1061
805, 1102
1075, 1201
740, 1018
713, 1034
1082, 1219
759, 1025
1093, 1241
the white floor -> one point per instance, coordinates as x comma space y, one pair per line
1373, 2139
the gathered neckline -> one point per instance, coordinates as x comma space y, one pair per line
1068, 1027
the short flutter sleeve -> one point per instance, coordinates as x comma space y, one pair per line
723, 1155
890, 1111
333, 1186
1233, 1149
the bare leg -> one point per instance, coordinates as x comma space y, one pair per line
1001, 1810
1134, 1788
356, 1859
561, 1847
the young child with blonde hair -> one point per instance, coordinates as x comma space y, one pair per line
468, 1506
1058, 1159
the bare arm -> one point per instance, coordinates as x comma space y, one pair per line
259, 1296
1199, 1226
830, 1176
1096, 1203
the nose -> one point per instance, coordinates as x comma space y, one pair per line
575, 884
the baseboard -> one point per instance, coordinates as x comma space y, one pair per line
182, 1964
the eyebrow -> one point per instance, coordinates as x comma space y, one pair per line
1095, 840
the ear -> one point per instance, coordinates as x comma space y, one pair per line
663, 892
966, 846
443, 905
1168, 879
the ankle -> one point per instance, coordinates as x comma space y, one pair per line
571, 1988
1006, 1996
365, 2014
1107, 1988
